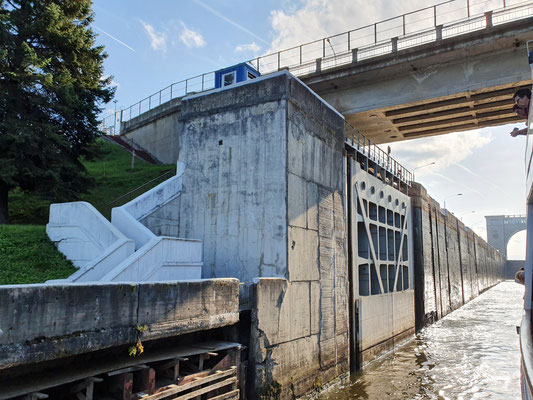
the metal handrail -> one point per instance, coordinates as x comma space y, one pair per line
141, 187
317, 58
373, 152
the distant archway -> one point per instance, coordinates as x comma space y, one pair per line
500, 229
516, 246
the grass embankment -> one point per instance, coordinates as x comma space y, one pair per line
28, 256
113, 177
26, 253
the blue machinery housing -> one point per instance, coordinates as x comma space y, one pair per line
236, 73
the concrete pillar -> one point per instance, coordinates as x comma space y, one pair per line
394, 43
318, 64
488, 19
438, 32
354, 56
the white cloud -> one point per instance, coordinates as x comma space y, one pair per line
158, 40
191, 38
445, 150
251, 47
316, 19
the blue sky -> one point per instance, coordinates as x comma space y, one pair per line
153, 44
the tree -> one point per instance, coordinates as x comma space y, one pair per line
51, 87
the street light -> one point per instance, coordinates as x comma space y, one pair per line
422, 166
453, 195
467, 212
115, 118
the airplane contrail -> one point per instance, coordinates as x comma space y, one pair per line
235, 24
114, 38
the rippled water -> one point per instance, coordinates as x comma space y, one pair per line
473, 353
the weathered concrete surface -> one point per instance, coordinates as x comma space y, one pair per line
300, 325
47, 322
402, 95
156, 131
452, 264
235, 183
501, 228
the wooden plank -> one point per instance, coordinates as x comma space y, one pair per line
207, 389
174, 389
36, 395
84, 384
193, 377
87, 369
234, 394
128, 369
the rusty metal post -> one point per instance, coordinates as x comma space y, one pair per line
438, 32
488, 19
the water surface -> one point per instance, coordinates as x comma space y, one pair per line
473, 353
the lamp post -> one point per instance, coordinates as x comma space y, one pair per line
453, 195
115, 118
467, 212
422, 166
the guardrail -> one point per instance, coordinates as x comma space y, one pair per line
429, 24
365, 146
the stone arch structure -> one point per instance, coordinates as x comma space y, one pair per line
500, 228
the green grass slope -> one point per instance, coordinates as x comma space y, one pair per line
26, 253
113, 175
28, 256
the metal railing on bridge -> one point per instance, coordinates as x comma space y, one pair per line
364, 146
429, 24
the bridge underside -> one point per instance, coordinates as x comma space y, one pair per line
456, 84
454, 113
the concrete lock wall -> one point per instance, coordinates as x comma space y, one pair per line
263, 189
300, 325
45, 322
234, 185
452, 264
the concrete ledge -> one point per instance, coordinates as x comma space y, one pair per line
45, 322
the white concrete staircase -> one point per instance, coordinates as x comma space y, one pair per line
125, 249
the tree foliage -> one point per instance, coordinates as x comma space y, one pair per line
51, 87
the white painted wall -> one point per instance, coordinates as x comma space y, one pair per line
87, 239
127, 217
162, 258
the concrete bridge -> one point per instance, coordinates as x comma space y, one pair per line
445, 68
447, 85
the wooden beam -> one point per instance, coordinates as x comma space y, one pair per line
175, 389
449, 121
128, 369
458, 128
234, 394
36, 395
